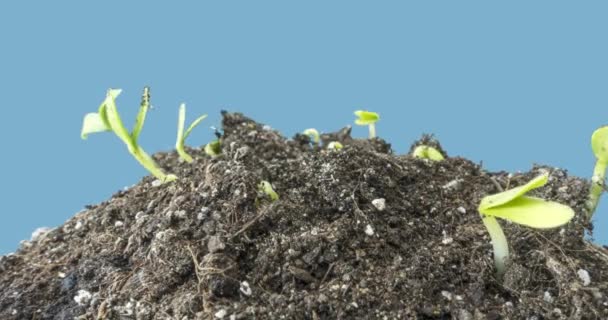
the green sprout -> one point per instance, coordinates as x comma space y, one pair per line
513, 205
314, 134
367, 118
108, 119
427, 152
181, 135
599, 144
213, 148
335, 145
266, 188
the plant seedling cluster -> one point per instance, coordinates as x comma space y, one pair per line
107, 118
427, 152
513, 205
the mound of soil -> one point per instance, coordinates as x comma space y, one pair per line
359, 233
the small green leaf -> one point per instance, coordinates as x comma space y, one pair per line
193, 125
427, 152
92, 123
213, 148
599, 143
335, 145
141, 115
113, 118
366, 117
532, 212
266, 188
506, 196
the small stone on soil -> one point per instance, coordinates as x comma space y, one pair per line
380, 204
584, 276
83, 297
369, 230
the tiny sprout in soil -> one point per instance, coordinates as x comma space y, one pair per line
515, 206
367, 118
314, 134
335, 145
427, 152
213, 148
266, 188
108, 119
181, 135
599, 144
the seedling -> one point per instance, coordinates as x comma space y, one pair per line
367, 118
513, 205
108, 119
213, 148
335, 145
427, 152
181, 135
266, 188
599, 144
314, 134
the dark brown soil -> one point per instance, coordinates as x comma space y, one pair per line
210, 246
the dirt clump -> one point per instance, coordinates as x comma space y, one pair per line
358, 233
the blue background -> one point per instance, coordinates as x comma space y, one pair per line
510, 83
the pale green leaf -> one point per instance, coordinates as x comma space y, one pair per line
509, 195
193, 125
599, 143
114, 121
141, 115
366, 117
434, 154
92, 123
532, 212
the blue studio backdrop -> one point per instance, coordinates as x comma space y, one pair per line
507, 83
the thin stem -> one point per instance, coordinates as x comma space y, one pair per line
597, 186
372, 130
499, 243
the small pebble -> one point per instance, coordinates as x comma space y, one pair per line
461, 210
369, 230
547, 297
83, 297
584, 276
245, 288
447, 295
221, 314
119, 224
156, 183
380, 204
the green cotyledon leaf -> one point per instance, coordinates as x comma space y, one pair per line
532, 212
509, 195
366, 117
599, 143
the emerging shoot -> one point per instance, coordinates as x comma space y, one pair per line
313, 134
213, 148
181, 135
108, 119
427, 152
599, 144
266, 188
335, 145
367, 118
515, 206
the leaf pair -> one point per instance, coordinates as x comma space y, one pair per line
513, 205
181, 135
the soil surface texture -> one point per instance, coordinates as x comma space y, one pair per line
357, 233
